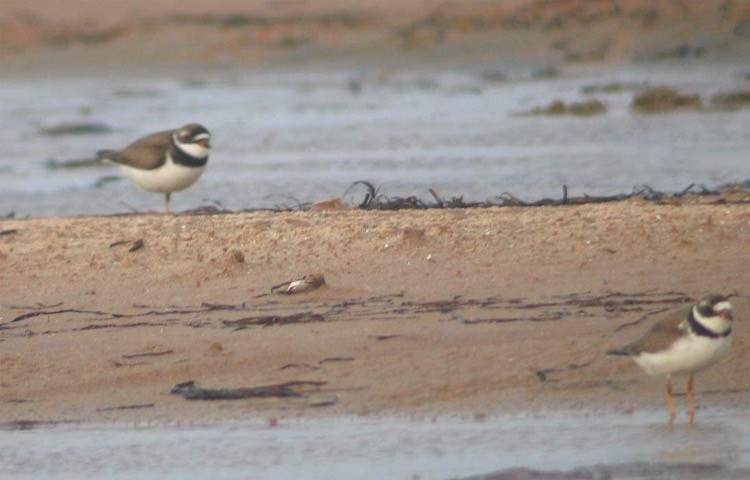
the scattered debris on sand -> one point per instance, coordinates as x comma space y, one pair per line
133, 245
299, 389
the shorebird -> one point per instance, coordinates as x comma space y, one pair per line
164, 162
684, 343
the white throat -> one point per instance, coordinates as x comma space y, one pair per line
195, 150
715, 324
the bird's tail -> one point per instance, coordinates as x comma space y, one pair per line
74, 163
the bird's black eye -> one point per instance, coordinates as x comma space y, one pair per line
705, 308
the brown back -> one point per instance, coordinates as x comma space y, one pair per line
662, 334
146, 153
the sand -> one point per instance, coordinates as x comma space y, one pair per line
425, 312
431, 312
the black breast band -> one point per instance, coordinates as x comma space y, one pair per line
697, 328
181, 158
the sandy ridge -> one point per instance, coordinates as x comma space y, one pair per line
475, 311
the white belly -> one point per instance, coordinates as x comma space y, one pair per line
689, 354
170, 177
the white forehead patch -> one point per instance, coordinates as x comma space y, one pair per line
195, 150
202, 136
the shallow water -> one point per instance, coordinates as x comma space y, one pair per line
622, 446
300, 137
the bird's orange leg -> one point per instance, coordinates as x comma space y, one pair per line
691, 402
670, 403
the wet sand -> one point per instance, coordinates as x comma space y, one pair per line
478, 311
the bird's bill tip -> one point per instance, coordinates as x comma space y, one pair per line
724, 309
726, 314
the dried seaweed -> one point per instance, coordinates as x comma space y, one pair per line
100, 326
372, 199
133, 245
239, 20
32, 424
299, 365
495, 310
568, 306
268, 320
205, 307
55, 312
110, 315
149, 354
38, 306
539, 318
386, 337
299, 388
138, 406
543, 374
127, 364
336, 359
442, 306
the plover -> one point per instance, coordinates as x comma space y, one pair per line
683, 343
164, 162
304, 284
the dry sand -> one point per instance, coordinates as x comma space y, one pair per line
426, 312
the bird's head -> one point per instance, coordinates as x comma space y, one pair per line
193, 139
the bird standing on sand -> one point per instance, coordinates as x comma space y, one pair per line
164, 162
683, 343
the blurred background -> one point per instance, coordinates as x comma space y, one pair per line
470, 98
